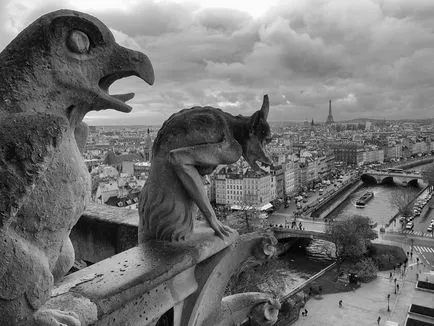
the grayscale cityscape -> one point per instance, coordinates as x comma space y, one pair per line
217, 163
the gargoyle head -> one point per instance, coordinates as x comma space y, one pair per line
265, 314
266, 248
64, 63
259, 136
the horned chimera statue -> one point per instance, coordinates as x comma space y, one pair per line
191, 144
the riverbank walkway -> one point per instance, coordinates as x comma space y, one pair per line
364, 305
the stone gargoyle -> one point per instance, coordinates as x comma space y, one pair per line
51, 75
191, 144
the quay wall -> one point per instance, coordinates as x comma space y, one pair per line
333, 202
336, 199
412, 164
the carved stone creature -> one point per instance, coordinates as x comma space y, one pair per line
54, 72
191, 144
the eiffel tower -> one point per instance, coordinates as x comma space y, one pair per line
330, 117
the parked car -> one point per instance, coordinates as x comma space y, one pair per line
409, 226
430, 228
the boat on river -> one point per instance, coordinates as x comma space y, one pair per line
367, 196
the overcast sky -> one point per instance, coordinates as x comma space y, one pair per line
372, 58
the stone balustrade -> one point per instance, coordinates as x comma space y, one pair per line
159, 283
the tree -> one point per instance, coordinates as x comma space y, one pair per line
428, 174
401, 199
366, 270
351, 236
245, 220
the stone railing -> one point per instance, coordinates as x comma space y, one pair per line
160, 283
103, 231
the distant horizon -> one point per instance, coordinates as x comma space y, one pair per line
370, 58
271, 122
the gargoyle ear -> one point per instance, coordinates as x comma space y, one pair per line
254, 122
258, 115
265, 107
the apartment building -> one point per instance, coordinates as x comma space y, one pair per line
253, 188
348, 153
289, 177
257, 188
277, 181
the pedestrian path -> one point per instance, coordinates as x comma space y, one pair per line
424, 249
370, 305
417, 233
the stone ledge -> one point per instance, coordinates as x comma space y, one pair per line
103, 231
120, 279
111, 214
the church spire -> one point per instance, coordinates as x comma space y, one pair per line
148, 146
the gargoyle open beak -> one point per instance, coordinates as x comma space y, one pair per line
123, 63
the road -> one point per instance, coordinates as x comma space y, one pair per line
421, 245
287, 214
422, 222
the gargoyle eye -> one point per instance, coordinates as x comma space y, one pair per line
78, 42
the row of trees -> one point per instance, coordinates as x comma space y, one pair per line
402, 198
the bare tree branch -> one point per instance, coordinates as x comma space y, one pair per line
401, 199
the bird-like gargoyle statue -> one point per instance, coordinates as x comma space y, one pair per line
54, 72
191, 144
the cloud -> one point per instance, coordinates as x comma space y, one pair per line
371, 57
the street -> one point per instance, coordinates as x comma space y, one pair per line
422, 245
279, 216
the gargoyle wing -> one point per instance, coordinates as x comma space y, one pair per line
27, 142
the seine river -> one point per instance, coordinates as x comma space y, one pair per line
380, 208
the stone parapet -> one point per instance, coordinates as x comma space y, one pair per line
103, 231
180, 282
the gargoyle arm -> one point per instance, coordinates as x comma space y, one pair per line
186, 159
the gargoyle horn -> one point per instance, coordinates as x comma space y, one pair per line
265, 106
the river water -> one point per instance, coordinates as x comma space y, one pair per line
301, 262
379, 209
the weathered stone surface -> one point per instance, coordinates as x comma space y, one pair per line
290, 310
265, 314
140, 284
205, 306
253, 308
190, 144
54, 72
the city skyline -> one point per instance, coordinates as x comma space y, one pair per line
372, 58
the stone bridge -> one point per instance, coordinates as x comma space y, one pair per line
310, 229
386, 176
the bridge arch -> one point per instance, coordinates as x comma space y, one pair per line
413, 182
368, 179
387, 180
